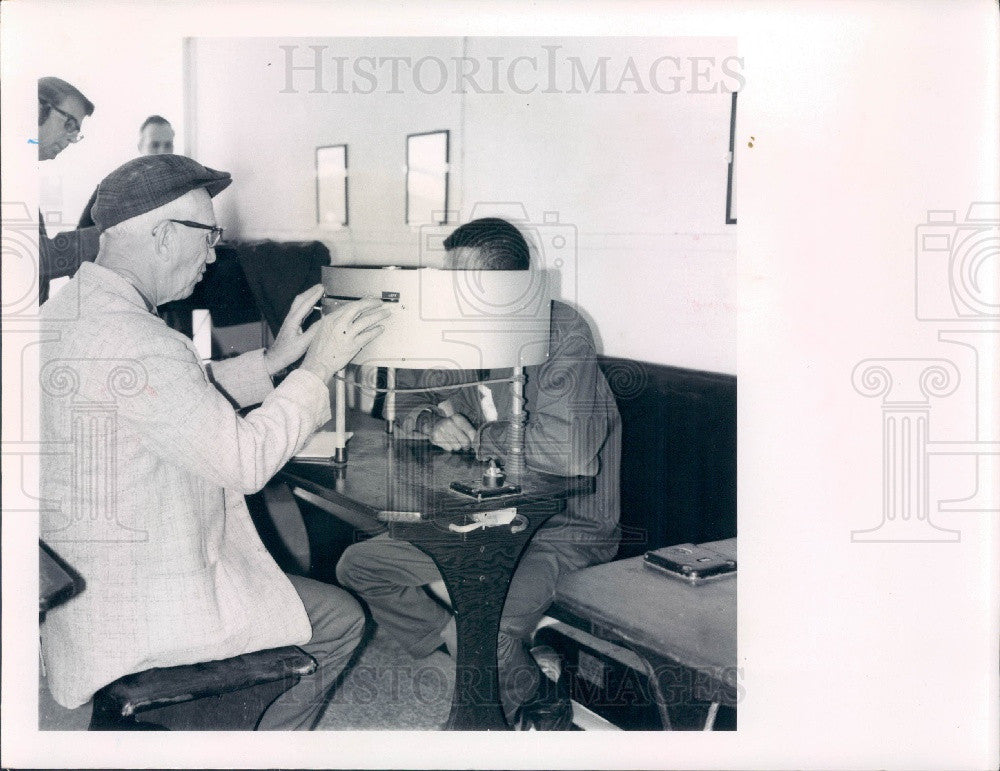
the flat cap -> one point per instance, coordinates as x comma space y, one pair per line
148, 182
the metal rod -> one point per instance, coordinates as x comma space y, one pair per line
350, 378
390, 398
713, 710
515, 436
340, 420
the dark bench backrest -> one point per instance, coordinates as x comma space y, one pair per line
678, 465
254, 280
277, 271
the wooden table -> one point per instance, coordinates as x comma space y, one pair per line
391, 474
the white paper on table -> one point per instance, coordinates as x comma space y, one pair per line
320, 445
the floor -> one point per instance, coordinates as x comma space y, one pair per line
387, 689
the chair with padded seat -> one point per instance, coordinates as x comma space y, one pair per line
225, 694
229, 694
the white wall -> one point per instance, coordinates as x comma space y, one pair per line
267, 139
642, 178
637, 179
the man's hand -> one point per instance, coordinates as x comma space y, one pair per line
453, 433
339, 336
291, 341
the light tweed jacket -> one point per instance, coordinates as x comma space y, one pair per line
143, 473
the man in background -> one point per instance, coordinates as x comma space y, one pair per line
61, 111
156, 137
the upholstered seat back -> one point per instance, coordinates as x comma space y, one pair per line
678, 464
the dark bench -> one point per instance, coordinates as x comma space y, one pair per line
678, 464
678, 485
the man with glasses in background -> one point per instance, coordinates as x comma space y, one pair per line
61, 110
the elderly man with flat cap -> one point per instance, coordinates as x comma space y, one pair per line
142, 492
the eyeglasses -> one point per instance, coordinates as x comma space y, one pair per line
212, 239
71, 125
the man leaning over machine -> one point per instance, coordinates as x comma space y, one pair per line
573, 428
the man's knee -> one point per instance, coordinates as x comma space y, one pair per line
345, 567
355, 625
339, 620
354, 566
379, 563
339, 628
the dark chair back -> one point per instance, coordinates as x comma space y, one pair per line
225, 291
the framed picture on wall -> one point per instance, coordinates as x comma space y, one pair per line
427, 157
331, 186
731, 182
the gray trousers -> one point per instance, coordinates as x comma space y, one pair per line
390, 574
338, 624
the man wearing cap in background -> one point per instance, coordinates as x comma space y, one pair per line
61, 110
156, 137
145, 499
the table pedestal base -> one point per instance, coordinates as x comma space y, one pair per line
477, 568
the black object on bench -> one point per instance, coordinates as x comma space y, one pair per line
117, 704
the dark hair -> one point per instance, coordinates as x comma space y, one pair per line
51, 93
153, 120
500, 245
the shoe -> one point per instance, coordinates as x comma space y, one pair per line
549, 709
548, 661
